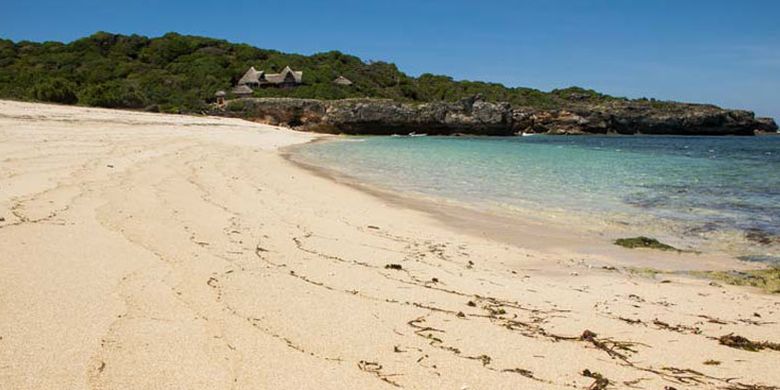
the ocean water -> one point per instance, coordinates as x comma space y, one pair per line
699, 192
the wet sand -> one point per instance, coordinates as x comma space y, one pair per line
153, 251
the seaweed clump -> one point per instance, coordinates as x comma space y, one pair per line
739, 342
600, 381
644, 242
767, 279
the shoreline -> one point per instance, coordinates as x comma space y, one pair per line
540, 234
157, 251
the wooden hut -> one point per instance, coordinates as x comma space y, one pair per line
220, 95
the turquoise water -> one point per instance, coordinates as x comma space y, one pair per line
698, 191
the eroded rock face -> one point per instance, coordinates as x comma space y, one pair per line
645, 118
478, 117
766, 125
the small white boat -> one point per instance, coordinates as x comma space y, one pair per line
524, 134
413, 134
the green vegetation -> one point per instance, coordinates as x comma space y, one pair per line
646, 272
644, 242
176, 73
765, 279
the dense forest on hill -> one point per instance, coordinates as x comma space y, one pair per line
179, 73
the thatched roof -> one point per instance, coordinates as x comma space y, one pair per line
273, 78
286, 75
220, 94
297, 75
241, 90
252, 76
341, 80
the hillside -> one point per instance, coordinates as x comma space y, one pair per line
178, 73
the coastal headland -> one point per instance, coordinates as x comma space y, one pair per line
476, 116
146, 251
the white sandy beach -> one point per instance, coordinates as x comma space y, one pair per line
151, 251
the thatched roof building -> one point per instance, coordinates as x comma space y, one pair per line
287, 78
341, 80
251, 77
241, 90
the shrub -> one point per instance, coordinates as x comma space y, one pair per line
113, 94
57, 90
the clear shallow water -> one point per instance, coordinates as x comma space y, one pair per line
696, 190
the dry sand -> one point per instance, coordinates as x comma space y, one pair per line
149, 251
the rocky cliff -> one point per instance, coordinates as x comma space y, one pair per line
478, 117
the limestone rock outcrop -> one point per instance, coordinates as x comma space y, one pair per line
478, 117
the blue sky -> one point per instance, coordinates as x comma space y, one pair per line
715, 51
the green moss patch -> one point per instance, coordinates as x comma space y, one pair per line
644, 242
646, 272
765, 279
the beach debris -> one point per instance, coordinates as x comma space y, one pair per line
471, 304
396, 267
495, 310
600, 382
759, 236
435, 280
630, 320
376, 369
744, 386
739, 342
615, 349
644, 242
521, 371
2, 219
109, 166
676, 328
485, 359
646, 272
767, 279
373, 227
712, 319
461, 314
634, 382
711, 362
635, 298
